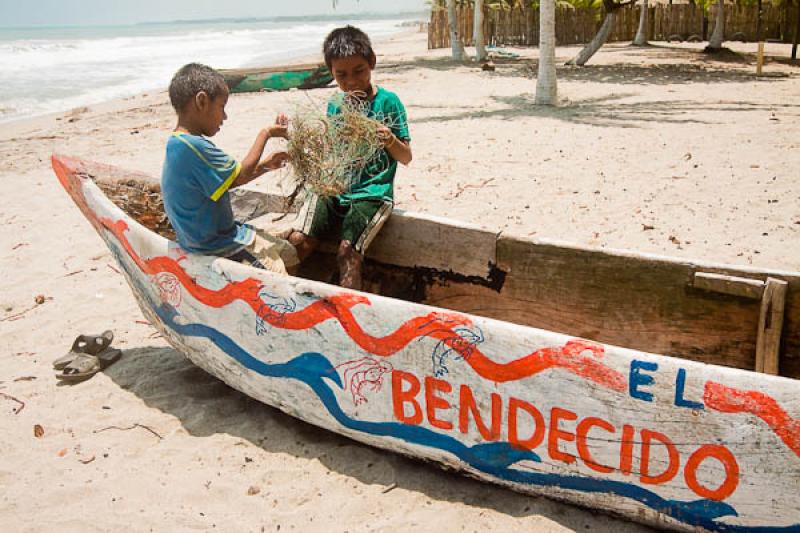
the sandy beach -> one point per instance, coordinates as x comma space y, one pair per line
660, 150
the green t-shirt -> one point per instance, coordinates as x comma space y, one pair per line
377, 178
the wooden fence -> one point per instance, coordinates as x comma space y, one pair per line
520, 25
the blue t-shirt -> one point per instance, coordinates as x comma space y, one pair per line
195, 182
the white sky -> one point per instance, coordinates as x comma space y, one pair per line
91, 12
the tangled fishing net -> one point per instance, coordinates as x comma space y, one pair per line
329, 153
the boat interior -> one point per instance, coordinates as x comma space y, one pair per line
725, 315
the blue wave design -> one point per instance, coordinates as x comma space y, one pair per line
493, 459
312, 368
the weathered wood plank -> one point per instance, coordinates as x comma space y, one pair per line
638, 301
770, 326
746, 288
419, 240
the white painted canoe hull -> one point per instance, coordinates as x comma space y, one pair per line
660, 440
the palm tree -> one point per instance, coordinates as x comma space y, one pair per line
611, 7
641, 33
546, 84
480, 48
715, 42
455, 39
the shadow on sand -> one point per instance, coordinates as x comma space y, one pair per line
607, 110
619, 109
679, 66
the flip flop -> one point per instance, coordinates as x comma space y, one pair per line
85, 344
86, 365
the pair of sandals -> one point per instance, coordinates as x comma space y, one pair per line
89, 355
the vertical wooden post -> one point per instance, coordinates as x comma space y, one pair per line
770, 326
760, 62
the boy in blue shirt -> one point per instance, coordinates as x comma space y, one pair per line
355, 217
197, 175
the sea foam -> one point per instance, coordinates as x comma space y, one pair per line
54, 69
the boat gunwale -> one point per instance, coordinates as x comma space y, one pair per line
255, 71
488, 279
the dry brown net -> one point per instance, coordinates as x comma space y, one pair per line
329, 152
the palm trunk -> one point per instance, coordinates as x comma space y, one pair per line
455, 39
641, 33
590, 49
480, 44
546, 84
715, 43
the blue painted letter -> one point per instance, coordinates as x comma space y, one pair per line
680, 382
637, 378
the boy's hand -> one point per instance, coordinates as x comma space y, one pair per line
386, 136
273, 161
280, 128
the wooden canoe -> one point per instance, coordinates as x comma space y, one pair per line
472, 351
248, 80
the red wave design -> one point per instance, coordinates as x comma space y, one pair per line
729, 400
436, 325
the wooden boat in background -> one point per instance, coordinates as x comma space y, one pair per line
282, 78
471, 351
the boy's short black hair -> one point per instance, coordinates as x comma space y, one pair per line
347, 41
190, 80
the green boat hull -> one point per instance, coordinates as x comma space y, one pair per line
277, 78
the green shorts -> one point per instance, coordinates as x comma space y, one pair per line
357, 222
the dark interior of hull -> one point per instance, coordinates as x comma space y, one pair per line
713, 314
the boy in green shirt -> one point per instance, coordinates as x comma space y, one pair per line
355, 217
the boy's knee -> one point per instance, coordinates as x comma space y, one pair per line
298, 238
302, 243
295, 238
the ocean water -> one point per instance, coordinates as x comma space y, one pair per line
49, 69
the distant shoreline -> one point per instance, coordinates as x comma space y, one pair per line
22, 124
298, 18
422, 15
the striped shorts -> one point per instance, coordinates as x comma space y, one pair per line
357, 222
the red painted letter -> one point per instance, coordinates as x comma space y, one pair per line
467, 406
538, 420
556, 434
433, 402
626, 450
401, 397
644, 467
583, 448
724, 456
